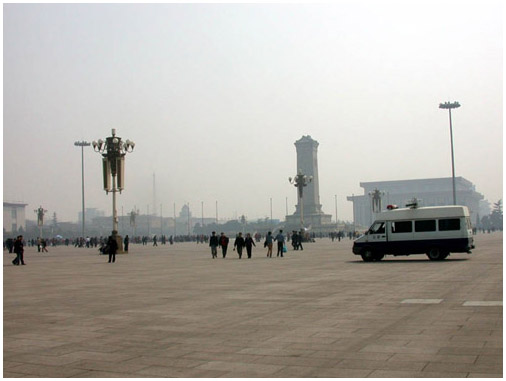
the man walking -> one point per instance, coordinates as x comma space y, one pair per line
213, 243
249, 244
113, 248
280, 239
239, 244
19, 250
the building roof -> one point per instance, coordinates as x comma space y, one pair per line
17, 204
414, 181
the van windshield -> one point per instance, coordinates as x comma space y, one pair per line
377, 228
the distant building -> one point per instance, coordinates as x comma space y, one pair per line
429, 192
89, 214
14, 217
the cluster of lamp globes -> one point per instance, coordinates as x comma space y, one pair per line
300, 181
113, 143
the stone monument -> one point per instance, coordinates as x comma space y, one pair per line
313, 216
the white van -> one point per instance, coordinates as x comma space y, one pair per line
436, 231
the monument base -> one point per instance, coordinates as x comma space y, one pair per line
119, 241
314, 222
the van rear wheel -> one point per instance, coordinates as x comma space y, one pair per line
436, 254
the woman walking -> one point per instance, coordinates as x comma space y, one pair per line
268, 244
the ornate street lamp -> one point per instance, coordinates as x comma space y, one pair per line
449, 106
376, 196
82, 144
40, 218
113, 152
133, 214
300, 181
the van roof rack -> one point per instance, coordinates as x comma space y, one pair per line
413, 204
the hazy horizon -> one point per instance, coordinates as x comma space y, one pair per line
215, 95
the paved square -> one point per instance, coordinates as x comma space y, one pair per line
173, 311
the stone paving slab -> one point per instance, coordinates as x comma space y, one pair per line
173, 311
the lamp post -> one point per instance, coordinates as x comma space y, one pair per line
113, 152
134, 213
40, 219
300, 181
449, 106
376, 197
82, 144
271, 211
337, 222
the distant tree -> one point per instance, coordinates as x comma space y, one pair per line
496, 216
232, 226
485, 222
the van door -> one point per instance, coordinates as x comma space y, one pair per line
377, 232
375, 243
401, 237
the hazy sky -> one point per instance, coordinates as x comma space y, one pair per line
215, 96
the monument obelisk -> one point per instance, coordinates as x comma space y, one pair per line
307, 164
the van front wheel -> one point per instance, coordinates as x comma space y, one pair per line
367, 255
436, 254
378, 257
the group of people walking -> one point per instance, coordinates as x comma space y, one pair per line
240, 243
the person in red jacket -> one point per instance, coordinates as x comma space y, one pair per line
223, 242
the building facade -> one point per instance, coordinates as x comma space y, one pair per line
428, 192
14, 217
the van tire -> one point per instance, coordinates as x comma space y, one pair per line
436, 254
367, 255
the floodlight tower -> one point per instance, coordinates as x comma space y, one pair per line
82, 144
449, 106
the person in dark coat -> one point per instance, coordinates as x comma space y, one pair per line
213, 243
239, 244
300, 237
10, 244
19, 250
249, 244
126, 241
113, 248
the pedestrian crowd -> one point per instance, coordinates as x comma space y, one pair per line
109, 246
240, 242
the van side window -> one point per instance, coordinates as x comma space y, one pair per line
425, 226
402, 227
449, 224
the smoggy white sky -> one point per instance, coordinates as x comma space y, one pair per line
214, 97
